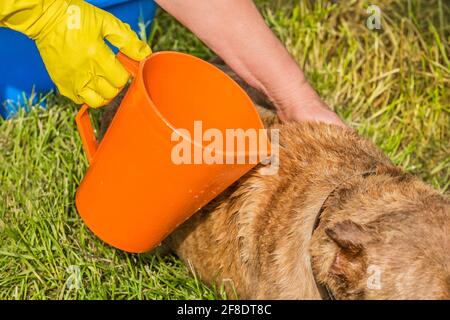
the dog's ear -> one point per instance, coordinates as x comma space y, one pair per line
350, 239
349, 236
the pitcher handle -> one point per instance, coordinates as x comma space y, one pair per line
86, 132
132, 66
83, 120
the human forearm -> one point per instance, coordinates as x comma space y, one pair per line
236, 31
24, 15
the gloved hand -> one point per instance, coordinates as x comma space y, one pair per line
70, 37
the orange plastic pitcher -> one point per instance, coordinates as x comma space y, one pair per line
140, 185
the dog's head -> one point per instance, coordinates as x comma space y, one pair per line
399, 248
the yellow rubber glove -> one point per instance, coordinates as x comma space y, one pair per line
70, 37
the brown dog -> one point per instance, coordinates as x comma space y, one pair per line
339, 220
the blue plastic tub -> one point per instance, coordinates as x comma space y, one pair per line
22, 70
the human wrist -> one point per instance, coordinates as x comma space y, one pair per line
298, 101
293, 96
39, 19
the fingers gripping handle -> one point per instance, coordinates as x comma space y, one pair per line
83, 120
132, 66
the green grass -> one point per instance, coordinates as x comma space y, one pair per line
392, 85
